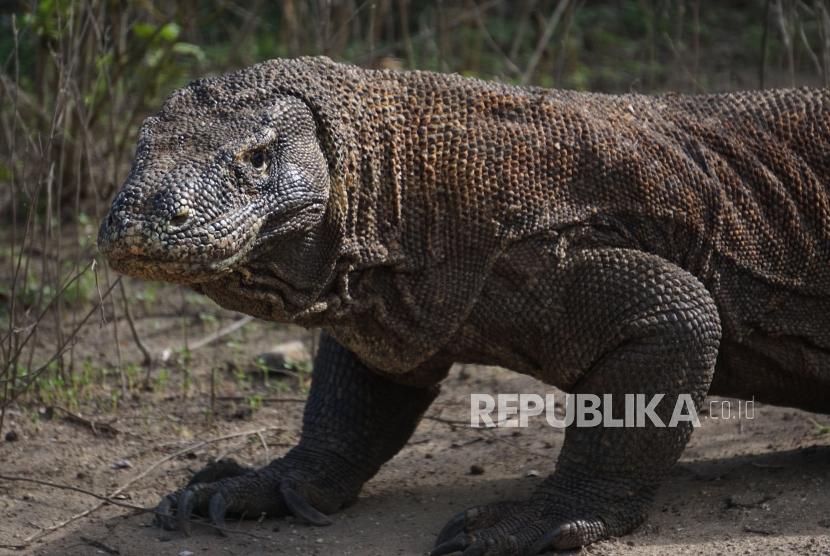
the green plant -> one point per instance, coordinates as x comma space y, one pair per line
161, 380
254, 401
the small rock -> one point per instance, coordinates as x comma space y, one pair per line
747, 500
758, 530
122, 464
80, 475
532, 473
318, 541
476, 469
282, 357
428, 455
242, 413
12, 436
185, 553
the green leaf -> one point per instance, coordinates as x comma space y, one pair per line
143, 30
170, 32
189, 49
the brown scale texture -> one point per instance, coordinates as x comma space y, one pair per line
437, 175
605, 244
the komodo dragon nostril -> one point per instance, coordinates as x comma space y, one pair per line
180, 218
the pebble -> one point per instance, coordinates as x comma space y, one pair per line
476, 469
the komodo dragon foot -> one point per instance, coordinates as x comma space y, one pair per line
354, 421
662, 347
225, 487
546, 521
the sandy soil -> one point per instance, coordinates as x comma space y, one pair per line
743, 486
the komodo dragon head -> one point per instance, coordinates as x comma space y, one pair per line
213, 185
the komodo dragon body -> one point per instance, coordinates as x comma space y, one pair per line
603, 244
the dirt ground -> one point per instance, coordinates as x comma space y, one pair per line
743, 486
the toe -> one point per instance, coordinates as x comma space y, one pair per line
217, 507
164, 512
455, 544
569, 535
453, 527
478, 548
299, 506
185, 510
214, 471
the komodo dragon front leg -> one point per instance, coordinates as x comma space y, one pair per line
354, 421
629, 323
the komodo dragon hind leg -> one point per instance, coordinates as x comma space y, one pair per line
650, 328
354, 421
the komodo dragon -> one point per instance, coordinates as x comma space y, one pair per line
602, 244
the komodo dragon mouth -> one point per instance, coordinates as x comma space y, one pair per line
154, 251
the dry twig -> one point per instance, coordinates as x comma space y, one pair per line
210, 338
110, 500
40, 534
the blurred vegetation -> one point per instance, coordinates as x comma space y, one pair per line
78, 77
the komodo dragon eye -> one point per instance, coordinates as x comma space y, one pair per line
257, 159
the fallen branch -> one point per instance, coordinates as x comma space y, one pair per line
210, 338
40, 534
263, 400
451, 422
95, 426
100, 546
110, 500
106, 499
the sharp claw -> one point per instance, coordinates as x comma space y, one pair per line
163, 517
300, 507
217, 470
455, 544
475, 549
541, 545
216, 510
184, 511
548, 540
453, 527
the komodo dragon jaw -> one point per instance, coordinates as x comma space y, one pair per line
209, 189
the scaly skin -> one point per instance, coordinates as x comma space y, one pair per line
604, 244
